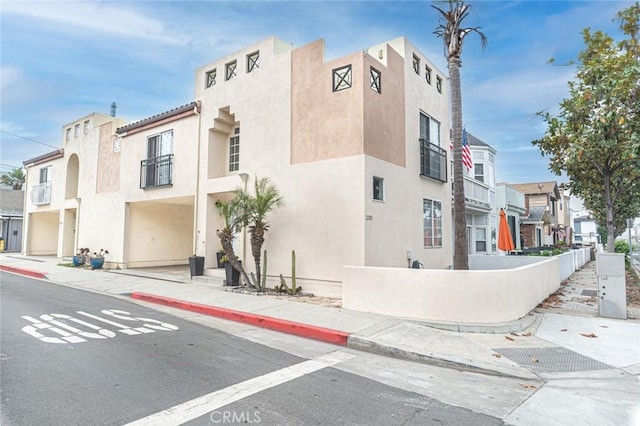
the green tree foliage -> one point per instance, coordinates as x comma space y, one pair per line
595, 138
452, 32
15, 178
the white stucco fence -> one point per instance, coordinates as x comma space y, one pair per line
504, 293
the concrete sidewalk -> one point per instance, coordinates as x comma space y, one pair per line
555, 340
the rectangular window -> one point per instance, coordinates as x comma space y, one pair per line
76, 131
478, 169
427, 73
211, 78
230, 70
234, 150
45, 174
378, 188
416, 64
433, 159
375, 80
86, 127
342, 78
253, 61
68, 134
481, 239
157, 169
432, 223
439, 84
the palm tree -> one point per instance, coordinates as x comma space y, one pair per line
451, 31
15, 178
232, 212
264, 201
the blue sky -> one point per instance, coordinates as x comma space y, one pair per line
62, 60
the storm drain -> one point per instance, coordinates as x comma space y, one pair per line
590, 293
552, 360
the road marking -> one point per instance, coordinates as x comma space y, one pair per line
200, 406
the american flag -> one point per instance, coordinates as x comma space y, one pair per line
466, 152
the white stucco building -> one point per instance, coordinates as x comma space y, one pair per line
355, 144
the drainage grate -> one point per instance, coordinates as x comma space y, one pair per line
552, 360
587, 292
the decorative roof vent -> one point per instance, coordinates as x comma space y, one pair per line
113, 109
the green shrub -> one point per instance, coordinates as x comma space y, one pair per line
556, 252
622, 246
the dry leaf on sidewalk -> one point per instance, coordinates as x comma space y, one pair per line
508, 338
526, 386
564, 329
534, 360
514, 334
588, 335
497, 355
527, 334
604, 326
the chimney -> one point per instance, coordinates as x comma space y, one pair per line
113, 109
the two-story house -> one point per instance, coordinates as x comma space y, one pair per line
480, 198
540, 225
355, 145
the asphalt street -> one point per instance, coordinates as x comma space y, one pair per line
74, 357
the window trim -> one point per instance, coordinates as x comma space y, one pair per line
427, 73
375, 80
210, 78
416, 64
231, 70
253, 64
234, 157
381, 190
439, 84
86, 127
338, 78
435, 222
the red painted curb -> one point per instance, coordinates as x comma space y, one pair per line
328, 335
22, 271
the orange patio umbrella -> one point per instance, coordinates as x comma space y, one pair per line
505, 242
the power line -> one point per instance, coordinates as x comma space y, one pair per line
29, 139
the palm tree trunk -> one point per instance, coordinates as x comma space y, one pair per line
226, 240
257, 240
460, 256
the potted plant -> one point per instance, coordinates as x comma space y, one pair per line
196, 265
232, 275
219, 256
97, 260
82, 258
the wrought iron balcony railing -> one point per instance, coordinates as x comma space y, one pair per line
433, 161
156, 171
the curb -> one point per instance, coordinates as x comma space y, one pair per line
327, 335
22, 271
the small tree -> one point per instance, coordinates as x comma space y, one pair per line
233, 213
595, 138
15, 178
265, 200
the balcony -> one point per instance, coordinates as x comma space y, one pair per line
476, 195
433, 161
41, 194
156, 171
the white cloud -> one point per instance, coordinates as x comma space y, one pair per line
94, 16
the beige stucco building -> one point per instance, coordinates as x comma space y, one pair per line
355, 144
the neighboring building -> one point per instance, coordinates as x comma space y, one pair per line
354, 144
564, 230
540, 225
513, 203
585, 229
480, 198
11, 212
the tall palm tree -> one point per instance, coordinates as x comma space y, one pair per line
232, 212
15, 178
452, 33
265, 200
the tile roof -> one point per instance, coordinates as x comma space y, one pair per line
537, 214
44, 157
155, 118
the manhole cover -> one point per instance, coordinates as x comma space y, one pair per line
587, 292
552, 360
